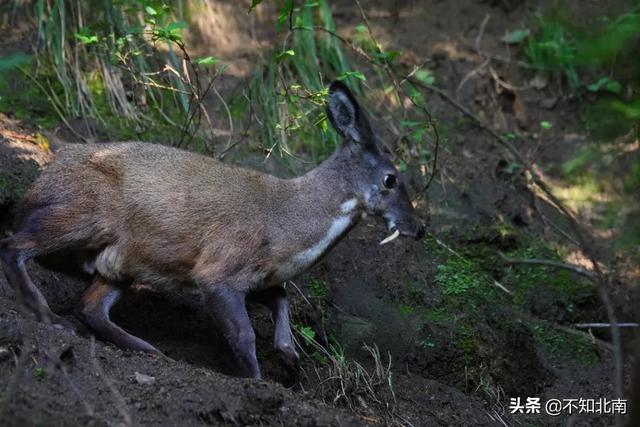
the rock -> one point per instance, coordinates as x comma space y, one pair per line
500, 121
539, 82
144, 379
549, 103
4, 353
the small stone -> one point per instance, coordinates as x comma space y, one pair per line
144, 379
4, 353
549, 103
538, 82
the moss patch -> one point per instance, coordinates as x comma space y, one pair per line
463, 283
564, 345
436, 315
536, 285
475, 321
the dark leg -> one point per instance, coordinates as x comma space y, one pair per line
230, 313
94, 312
15, 251
276, 299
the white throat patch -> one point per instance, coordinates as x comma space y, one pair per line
307, 257
348, 206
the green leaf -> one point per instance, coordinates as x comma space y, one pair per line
595, 87
12, 61
387, 56
151, 11
284, 54
427, 344
40, 373
418, 134
415, 95
287, 7
512, 167
545, 125
357, 74
515, 37
425, 76
614, 86
254, 3
307, 333
207, 60
606, 84
84, 36
176, 26
135, 29
630, 109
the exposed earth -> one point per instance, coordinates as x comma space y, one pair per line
460, 331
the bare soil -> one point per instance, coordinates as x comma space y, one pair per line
440, 377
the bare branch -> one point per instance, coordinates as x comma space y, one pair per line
600, 343
605, 325
557, 264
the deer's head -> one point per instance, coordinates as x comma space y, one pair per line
373, 177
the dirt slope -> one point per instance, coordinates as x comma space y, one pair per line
460, 347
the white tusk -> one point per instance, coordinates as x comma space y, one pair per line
391, 237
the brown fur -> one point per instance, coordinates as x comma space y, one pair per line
159, 214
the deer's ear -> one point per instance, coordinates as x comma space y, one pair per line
345, 114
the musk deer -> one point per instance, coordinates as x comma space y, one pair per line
153, 214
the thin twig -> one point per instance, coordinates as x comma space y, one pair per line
486, 62
470, 74
485, 21
605, 325
82, 399
121, 404
17, 379
387, 66
533, 261
226, 109
600, 343
502, 287
553, 225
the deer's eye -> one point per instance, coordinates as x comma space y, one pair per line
389, 181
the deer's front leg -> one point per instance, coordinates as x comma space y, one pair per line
230, 313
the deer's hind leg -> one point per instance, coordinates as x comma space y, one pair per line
15, 251
94, 312
46, 229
